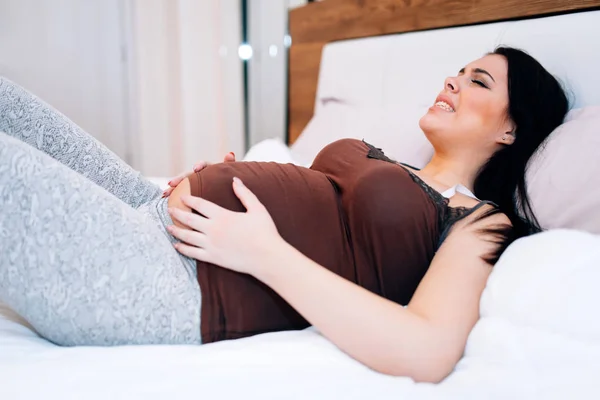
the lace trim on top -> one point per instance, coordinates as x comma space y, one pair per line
447, 215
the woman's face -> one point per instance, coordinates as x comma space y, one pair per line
471, 113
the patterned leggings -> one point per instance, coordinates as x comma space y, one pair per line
84, 254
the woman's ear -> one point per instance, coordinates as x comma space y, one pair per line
507, 138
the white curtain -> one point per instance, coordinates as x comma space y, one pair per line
185, 82
70, 54
267, 69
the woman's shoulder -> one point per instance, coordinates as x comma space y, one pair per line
484, 226
461, 200
476, 213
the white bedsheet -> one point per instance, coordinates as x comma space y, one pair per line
538, 338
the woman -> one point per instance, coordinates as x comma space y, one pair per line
367, 235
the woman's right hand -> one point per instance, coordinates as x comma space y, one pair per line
229, 157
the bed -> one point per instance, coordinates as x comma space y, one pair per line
354, 72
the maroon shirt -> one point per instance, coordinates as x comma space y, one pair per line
353, 211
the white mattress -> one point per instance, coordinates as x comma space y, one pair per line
538, 338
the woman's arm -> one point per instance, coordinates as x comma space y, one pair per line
423, 341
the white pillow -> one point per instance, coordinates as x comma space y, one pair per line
270, 150
538, 324
384, 127
549, 282
563, 178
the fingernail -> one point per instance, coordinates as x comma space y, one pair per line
237, 180
232, 153
170, 210
170, 182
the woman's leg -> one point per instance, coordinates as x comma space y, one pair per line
29, 119
83, 267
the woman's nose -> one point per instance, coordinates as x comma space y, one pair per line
451, 85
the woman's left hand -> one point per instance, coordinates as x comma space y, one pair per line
238, 241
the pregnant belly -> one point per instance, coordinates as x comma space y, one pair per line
302, 203
183, 189
306, 211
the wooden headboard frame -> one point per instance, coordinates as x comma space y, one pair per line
318, 23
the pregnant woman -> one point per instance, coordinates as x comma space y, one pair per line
91, 255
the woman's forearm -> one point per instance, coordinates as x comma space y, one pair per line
379, 333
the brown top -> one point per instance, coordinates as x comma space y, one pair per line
353, 211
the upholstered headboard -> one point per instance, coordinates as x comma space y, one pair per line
397, 68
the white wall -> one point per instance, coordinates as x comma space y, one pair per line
69, 53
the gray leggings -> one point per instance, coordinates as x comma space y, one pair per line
84, 254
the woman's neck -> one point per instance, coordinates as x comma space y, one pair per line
451, 171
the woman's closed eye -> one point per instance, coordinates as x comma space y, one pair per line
480, 83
